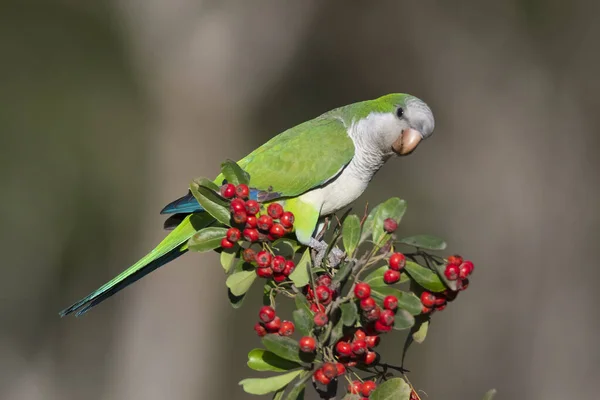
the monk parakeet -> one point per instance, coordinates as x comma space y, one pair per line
313, 169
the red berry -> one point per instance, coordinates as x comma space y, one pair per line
372, 341
251, 221
237, 205
440, 299
279, 277
275, 210
428, 299
355, 387
242, 191
440, 308
367, 304
321, 319
320, 377
370, 357
265, 222
273, 326
373, 315
233, 234
462, 285
250, 235
465, 269
228, 190
307, 344
287, 219
359, 347
451, 272
287, 328
277, 231
391, 276
362, 290
226, 244
240, 217
329, 370
266, 314
260, 329
390, 302
382, 328
351, 364
389, 225
341, 370
387, 318
397, 261
317, 308
249, 255
455, 260
278, 264
425, 310
265, 272
359, 334
289, 267
252, 207
263, 259
343, 349
367, 388
324, 279
323, 294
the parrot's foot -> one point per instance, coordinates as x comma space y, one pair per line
335, 256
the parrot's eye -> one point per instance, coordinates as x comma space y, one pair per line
400, 112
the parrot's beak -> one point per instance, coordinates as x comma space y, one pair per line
407, 142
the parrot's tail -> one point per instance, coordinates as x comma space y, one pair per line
173, 246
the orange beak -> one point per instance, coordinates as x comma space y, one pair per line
407, 142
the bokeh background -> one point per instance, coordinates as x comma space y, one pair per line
109, 109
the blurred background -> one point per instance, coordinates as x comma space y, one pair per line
110, 108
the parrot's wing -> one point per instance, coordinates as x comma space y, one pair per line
301, 158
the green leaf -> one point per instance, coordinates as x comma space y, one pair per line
300, 275
367, 228
393, 389
263, 360
490, 394
337, 331
240, 282
428, 242
350, 396
228, 259
424, 277
233, 173
420, 332
349, 313
303, 320
342, 274
351, 234
207, 239
207, 183
283, 346
393, 208
268, 385
406, 301
211, 202
235, 301
297, 392
302, 303
375, 278
403, 320
278, 395
285, 247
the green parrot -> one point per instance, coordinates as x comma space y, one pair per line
313, 169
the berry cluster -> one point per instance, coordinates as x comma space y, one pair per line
362, 388
318, 298
396, 263
456, 270
271, 323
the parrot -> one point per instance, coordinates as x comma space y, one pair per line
313, 169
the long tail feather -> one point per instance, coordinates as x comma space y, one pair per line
183, 205
174, 245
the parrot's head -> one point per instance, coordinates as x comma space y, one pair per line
400, 122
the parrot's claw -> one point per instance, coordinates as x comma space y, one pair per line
335, 256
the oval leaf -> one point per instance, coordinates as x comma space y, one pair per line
406, 301
207, 239
268, 385
303, 320
393, 208
428, 242
283, 346
211, 202
351, 234
337, 331
375, 278
263, 360
302, 302
208, 184
403, 320
367, 228
240, 282
233, 173
393, 389
228, 259
349, 313
300, 275
297, 390
235, 301
285, 247
420, 333
424, 277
